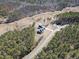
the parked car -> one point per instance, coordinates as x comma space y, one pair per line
40, 29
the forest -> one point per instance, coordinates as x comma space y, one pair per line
64, 45
17, 44
67, 18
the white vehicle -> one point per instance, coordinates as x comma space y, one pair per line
40, 29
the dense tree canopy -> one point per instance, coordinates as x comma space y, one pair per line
64, 45
67, 18
15, 45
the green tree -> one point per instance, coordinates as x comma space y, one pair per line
64, 44
17, 44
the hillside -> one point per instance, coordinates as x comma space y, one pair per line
25, 22
32, 7
17, 44
20, 35
51, 29
65, 43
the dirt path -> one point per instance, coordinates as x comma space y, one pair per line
46, 39
25, 22
17, 25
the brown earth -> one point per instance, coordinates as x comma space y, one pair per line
25, 22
